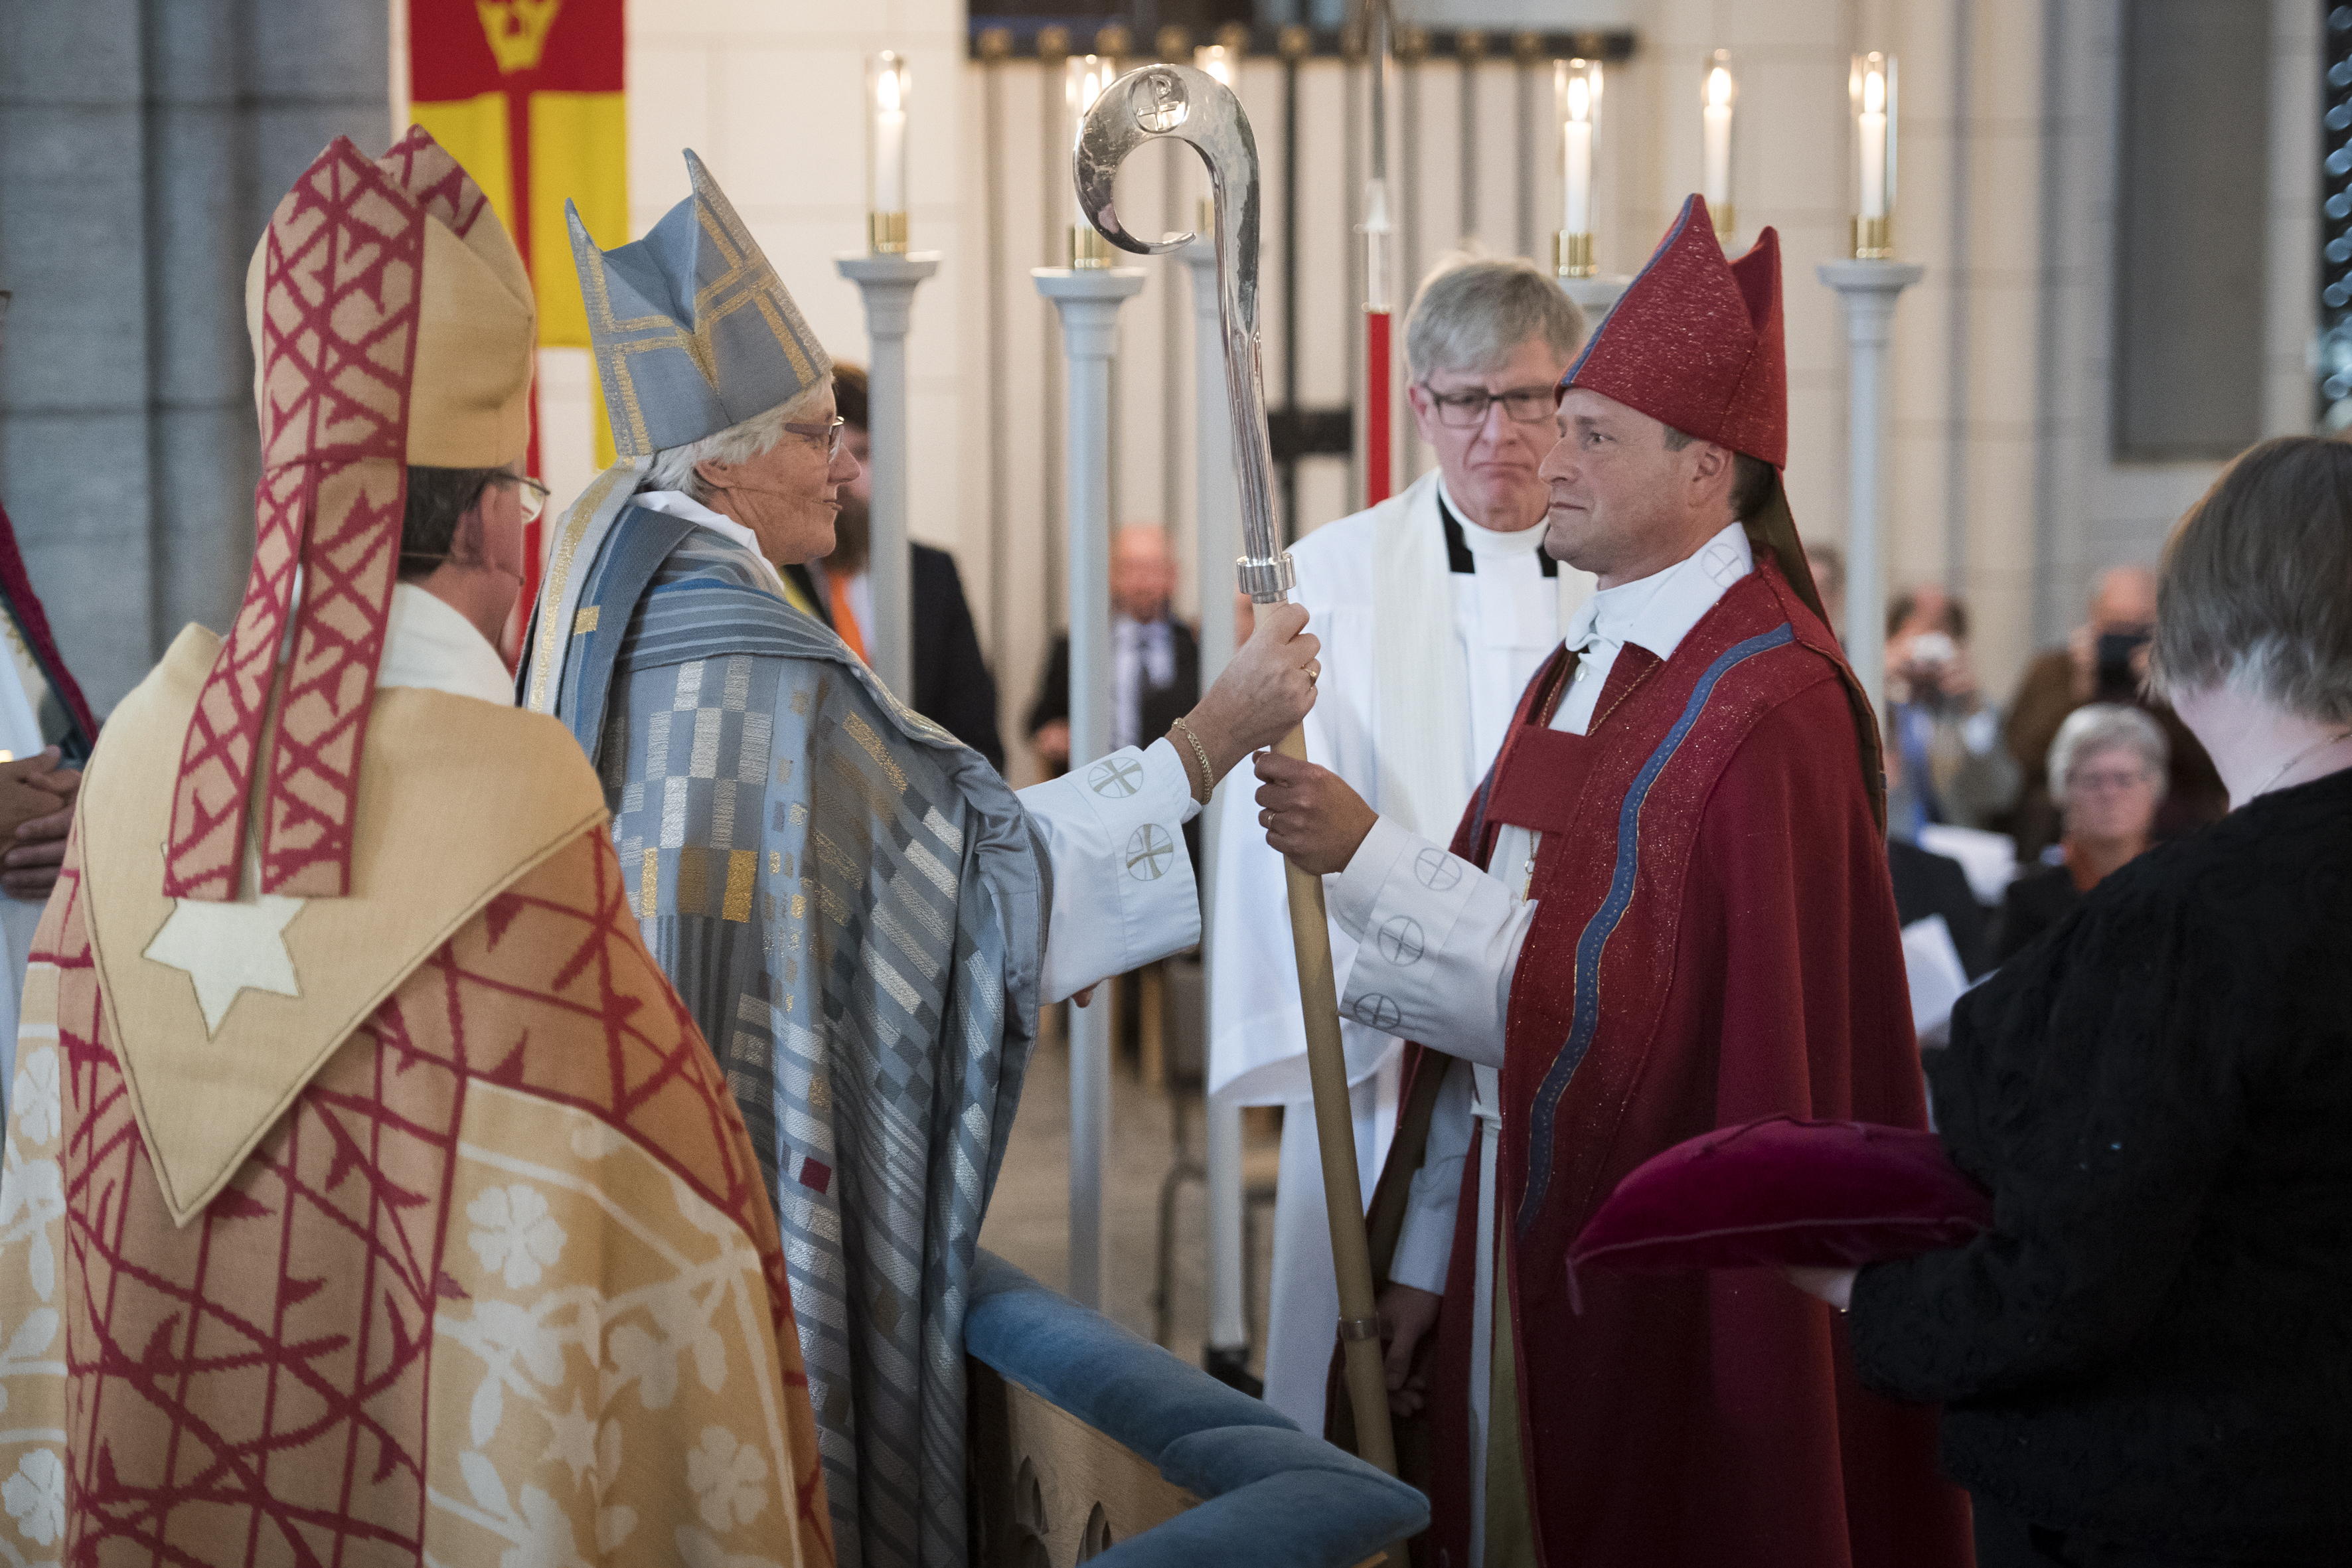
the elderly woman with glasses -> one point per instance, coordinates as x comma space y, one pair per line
2146, 1358
2107, 770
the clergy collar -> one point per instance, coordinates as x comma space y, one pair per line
429, 644
1460, 557
1658, 611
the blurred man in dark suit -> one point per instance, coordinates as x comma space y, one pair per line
1158, 676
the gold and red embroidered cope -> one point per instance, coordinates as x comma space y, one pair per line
391, 325
270, 1358
1698, 341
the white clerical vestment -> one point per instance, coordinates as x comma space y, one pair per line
1123, 887
1424, 663
1453, 994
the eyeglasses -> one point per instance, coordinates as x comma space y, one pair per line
534, 494
828, 434
1467, 410
2106, 779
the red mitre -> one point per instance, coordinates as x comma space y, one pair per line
1697, 342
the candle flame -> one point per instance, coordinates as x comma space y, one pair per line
1216, 60
1874, 92
1580, 98
889, 91
1719, 86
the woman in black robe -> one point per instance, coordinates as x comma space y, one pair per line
2147, 1361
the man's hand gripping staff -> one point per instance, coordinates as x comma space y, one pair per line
1192, 107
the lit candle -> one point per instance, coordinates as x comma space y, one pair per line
1086, 77
1083, 80
889, 134
1873, 105
1577, 150
1715, 115
1577, 85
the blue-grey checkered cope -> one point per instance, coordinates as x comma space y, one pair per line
852, 904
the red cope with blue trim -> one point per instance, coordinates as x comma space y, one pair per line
1716, 941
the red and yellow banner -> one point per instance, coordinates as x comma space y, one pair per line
527, 94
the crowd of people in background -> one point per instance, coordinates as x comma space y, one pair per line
2001, 815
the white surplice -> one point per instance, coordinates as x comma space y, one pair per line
1449, 986
1421, 669
1123, 887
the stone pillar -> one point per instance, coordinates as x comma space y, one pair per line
142, 146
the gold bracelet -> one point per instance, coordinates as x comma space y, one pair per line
1207, 778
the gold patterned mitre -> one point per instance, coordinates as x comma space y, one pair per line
392, 325
476, 324
692, 329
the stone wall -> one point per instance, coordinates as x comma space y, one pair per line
143, 145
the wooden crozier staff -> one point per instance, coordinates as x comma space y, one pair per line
1193, 107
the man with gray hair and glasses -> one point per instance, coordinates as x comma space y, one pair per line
1435, 608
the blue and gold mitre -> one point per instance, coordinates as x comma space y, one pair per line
691, 328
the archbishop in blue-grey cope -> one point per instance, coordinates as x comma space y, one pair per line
853, 905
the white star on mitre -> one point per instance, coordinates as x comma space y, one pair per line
227, 948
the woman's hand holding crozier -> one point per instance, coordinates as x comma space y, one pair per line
1262, 695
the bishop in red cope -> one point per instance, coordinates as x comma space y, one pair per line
1667, 910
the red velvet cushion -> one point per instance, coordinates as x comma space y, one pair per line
1833, 1193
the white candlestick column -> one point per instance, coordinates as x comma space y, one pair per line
1217, 533
1867, 291
1089, 301
887, 283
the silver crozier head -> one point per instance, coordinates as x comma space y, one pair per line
1159, 103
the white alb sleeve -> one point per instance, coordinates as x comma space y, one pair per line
1438, 940
1424, 1246
1123, 888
